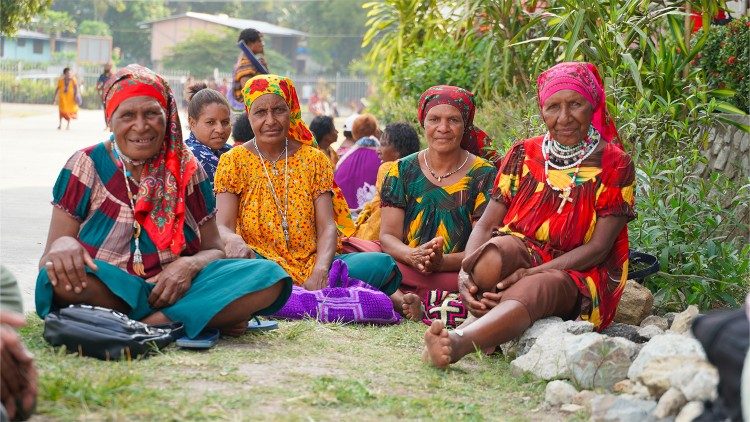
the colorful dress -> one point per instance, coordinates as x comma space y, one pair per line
66, 98
432, 210
207, 157
241, 173
600, 191
91, 189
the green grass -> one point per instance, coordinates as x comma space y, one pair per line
303, 371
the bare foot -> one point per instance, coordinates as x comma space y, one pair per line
235, 330
437, 345
412, 307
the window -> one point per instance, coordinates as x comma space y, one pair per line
38, 46
21, 42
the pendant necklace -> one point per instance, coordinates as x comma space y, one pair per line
560, 156
283, 214
138, 266
273, 163
450, 173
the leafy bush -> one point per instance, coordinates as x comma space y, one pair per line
89, 27
684, 220
26, 90
726, 60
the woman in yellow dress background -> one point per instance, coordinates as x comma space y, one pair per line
65, 97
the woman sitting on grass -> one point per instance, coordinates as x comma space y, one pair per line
133, 226
210, 126
274, 195
398, 140
562, 202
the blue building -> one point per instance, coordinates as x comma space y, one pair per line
32, 46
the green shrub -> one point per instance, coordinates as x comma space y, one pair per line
689, 224
726, 60
26, 90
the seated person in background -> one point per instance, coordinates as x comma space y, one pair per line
349, 140
562, 202
399, 140
241, 130
18, 384
274, 195
325, 133
357, 170
133, 226
208, 119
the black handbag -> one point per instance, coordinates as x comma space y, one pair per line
106, 334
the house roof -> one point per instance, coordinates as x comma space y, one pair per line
264, 27
33, 35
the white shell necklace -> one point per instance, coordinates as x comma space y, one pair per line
554, 153
282, 213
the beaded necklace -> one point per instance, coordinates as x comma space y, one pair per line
283, 214
561, 157
138, 266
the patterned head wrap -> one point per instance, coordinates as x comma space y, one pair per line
283, 87
584, 79
474, 139
160, 203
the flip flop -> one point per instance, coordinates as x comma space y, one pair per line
205, 340
256, 324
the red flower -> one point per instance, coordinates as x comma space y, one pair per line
285, 89
731, 60
258, 85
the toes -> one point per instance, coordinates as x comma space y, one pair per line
436, 328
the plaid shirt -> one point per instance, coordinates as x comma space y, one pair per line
91, 189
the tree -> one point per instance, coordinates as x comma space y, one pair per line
89, 27
14, 13
55, 23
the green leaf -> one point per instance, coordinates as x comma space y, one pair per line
634, 71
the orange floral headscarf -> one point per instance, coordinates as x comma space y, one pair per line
283, 87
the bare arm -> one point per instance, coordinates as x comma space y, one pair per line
325, 228
64, 257
234, 245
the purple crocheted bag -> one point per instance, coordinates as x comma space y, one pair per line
344, 300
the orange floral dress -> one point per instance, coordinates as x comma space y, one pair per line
259, 222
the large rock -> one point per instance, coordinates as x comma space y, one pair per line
670, 403
684, 320
578, 327
655, 320
521, 345
691, 411
546, 358
626, 331
597, 361
650, 331
663, 346
610, 408
635, 304
559, 392
695, 378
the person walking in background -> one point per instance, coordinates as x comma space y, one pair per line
244, 69
103, 78
66, 98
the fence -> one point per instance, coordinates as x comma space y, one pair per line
345, 92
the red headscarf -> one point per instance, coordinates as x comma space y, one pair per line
474, 139
584, 79
160, 203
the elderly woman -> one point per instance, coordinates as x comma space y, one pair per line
133, 227
398, 140
431, 199
274, 195
562, 202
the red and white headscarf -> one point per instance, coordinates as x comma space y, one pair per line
160, 203
584, 79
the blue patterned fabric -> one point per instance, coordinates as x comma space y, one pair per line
207, 157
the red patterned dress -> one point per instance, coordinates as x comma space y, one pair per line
604, 187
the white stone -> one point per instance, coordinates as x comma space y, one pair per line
571, 408
529, 337
658, 321
665, 345
608, 408
583, 398
697, 382
559, 392
598, 361
578, 327
545, 359
684, 320
691, 411
670, 403
650, 331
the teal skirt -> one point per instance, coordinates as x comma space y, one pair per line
213, 288
377, 269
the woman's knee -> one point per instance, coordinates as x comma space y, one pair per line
485, 272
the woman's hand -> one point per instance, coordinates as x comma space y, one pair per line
235, 247
468, 291
434, 260
317, 280
18, 380
66, 262
173, 282
491, 299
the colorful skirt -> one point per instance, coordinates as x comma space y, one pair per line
213, 288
